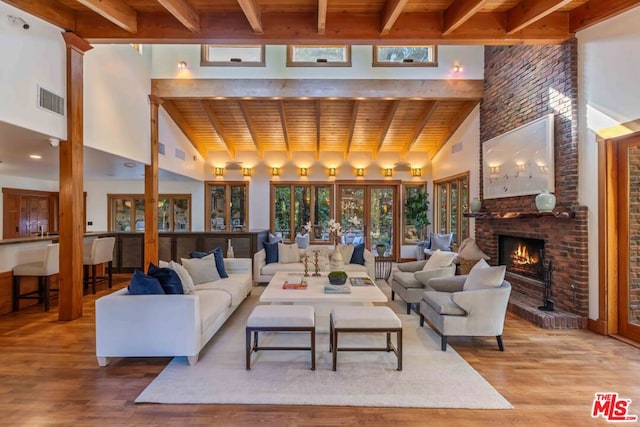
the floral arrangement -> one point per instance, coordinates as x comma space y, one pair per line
335, 231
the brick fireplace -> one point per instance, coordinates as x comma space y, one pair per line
523, 83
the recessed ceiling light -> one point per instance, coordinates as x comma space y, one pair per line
35, 156
129, 165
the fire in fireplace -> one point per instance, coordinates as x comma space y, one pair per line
522, 255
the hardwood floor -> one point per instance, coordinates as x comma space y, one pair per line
49, 376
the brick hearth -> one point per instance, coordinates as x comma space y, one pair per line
523, 83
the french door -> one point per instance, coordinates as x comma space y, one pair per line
376, 207
628, 156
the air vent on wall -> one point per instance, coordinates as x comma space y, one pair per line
50, 101
180, 154
161, 148
456, 147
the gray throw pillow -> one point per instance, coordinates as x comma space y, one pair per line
440, 241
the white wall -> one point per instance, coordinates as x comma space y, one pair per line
172, 137
608, 61
165, 59
116, 102
30, 58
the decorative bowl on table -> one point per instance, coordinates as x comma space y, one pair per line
337, 278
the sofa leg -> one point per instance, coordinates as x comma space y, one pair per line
393, 296
500, 344
408, 308
421, 320
192, 360
443, 343
103, 361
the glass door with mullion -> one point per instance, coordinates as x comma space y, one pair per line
629, 239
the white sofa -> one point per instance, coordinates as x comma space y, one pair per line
263, 272
169, 325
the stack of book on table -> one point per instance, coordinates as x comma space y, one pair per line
295, 281
337, 289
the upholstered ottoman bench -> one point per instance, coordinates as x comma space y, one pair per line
281, 318
365, 319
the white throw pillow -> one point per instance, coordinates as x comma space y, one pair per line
472, 251
481, 277
302, 240
347, 253
288, 253
480, 264
163, 264
323, 258
185, 278
439, 259
201, 270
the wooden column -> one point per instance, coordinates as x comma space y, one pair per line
71, 213
151, 191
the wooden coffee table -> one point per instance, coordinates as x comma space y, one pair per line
315, 295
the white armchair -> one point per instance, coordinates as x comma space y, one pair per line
452, 311
410, 282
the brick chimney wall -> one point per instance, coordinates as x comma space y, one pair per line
523, 83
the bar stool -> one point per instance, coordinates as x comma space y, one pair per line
99, 251
43, 270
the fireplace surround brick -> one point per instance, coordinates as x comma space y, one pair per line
523, 83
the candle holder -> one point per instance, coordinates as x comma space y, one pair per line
306, 266
315, 264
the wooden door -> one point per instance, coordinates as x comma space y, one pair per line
628, 155
11, 216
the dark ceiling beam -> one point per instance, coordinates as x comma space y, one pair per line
595, 11
341, 28
48, 10
184, 13
429, 109
115, 11
177, 117
322, 16
392, 12
317, 88
352, 127
527, 12
386, 125
217, 127
459, 12
251, 11
285, 127
250, 128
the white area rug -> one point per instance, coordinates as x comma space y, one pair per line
430, 378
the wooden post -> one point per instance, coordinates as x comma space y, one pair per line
151, 191
71, 213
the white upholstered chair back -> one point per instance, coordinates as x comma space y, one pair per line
101, 250
52, 259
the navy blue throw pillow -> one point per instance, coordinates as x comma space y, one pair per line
169, 279
141, 284
217, 254
271, 250
358, 254
218, 257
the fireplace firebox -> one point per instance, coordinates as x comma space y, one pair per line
522, 255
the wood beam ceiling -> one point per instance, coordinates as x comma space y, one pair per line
529, 11
455, 123
48, 10
184, 13
386, 124
175, 114
459, 12
251, 11
251, 128
285, 128
115, 11
352, 127
217, 126
393, 9
595, 11
428, 111
318, 127
322, 16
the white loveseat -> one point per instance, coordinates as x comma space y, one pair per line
169, 325
263, 272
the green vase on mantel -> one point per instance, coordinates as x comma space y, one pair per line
545, 201
475, 205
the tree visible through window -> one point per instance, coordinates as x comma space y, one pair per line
318, 55
404, 55
295, 205
126, 212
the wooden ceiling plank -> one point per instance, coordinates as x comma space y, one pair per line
250, 127
48, 10
317, 88
459, 12
428, 111
393, 9
322, 16
352, 127
177, 117
115, 11
184, 13
529, 11
251, 10
386, 124
318, 127
342, 28
285, 130
218, 127
596, 11
455, 123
